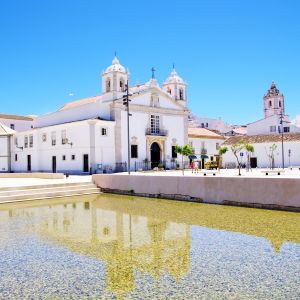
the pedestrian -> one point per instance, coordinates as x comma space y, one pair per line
196, 166
192, 166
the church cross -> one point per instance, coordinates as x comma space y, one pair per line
153, 70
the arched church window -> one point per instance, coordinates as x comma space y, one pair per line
122, 85
107, 85
180, 94
169, 91
279, 103
270, 103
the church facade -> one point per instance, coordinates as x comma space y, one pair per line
90, 135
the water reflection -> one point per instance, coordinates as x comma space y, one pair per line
132, 235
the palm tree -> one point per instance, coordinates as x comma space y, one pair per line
185, 150
250, 149
222, 151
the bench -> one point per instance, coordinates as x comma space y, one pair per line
278, 172
207, 172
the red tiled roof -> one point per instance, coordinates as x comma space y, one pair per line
270, 138
15, 117
80, 102
204, 133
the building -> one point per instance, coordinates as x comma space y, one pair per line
90, 135
275, 118
205, 144
18, 123
209, 123
5, 146
267, 150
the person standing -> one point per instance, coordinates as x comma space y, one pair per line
196, 166
192, 166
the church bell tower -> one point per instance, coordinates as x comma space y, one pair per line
273, 102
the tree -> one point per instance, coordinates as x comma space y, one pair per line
236, 149
222, 151
270, 154
250, 149
185, 150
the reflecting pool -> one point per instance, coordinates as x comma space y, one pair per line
117, 247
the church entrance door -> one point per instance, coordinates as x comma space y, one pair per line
155, 155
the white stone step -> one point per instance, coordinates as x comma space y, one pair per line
29, 187
41, 194
52, 188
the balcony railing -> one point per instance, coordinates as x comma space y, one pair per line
203, 151
158, 132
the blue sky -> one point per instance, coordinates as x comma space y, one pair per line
228, 51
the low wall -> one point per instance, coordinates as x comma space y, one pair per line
276, 193
33, 175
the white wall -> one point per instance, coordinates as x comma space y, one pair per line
79, 133
19, 125
4, 153
261, 150
82, 112
209, 144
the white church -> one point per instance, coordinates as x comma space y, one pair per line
90, 135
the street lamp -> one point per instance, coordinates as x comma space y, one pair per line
290, 152
126, 101
282, 149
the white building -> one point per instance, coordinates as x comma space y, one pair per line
274, 111
209, 123
205, 143
18, 123
90, 134
262, 156
5, 146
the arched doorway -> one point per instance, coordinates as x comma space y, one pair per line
155, 155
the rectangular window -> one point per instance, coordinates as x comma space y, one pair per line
202, 125
134, 151
63, 157
286, 129
26, 141
217, 146
103, 131
155, 124
272, 128
174, 153
64, 139
16, 141
53, 138
206, 125
16, 157
44, 137
30, 141
12, 126
73, 156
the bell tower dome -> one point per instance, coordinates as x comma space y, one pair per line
273, 102
176, 87
114, 79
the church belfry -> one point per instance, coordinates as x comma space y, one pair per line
273, 102
176, 87
114, 79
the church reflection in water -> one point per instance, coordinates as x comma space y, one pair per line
131, 235
126, 243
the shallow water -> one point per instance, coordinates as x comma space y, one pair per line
107, 246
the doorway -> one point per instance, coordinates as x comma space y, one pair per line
85, 163
253, 162
28, 163
155, 155
53, 164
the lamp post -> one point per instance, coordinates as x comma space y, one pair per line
282, 149
126, 101
290, 152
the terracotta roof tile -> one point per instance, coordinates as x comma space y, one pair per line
80, 102
204, 133
256, 139
15, 117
